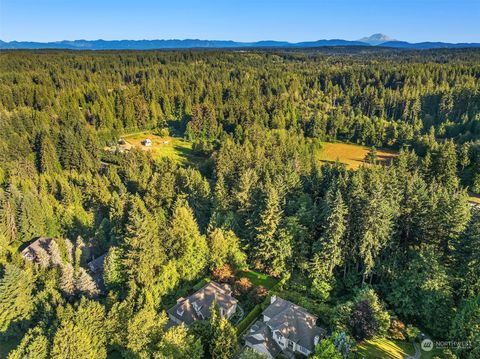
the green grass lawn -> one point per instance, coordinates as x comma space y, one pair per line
175, 148
350, 154
259, 278
383, 349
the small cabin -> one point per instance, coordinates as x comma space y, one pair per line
147, 142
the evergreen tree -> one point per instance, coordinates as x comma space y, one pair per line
141, 249
81, 332
224, 341
466, 327
177, 343
330, 244
34, 344
16, 298
113, 274
185, 243
376, 225
421, 291
47, 158
225, 248
266, 248
467, 258
144, 331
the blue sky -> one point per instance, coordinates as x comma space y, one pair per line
247, 20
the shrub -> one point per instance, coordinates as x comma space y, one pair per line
242, 286
224, 273
259, 294
412, 332
397, 330
380, 316
164, 132
363, 322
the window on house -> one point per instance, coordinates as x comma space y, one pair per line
302, 349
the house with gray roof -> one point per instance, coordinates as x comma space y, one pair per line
197, 306
38, 250
96, 265
286, 328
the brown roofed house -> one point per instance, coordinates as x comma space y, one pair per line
197, 306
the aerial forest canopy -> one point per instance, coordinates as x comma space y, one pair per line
363, 249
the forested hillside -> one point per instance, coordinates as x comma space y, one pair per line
362, 249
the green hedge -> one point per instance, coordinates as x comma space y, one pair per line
200, 284
244, 324
280, 284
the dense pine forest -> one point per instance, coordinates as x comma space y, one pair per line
383, 251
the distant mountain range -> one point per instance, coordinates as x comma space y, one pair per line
377, 39
374, 40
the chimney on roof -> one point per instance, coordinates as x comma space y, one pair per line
273, 299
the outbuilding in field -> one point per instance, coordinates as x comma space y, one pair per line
147, 142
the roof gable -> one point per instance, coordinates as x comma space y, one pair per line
293, 322
197, 306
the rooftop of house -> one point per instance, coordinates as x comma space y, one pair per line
260, 333
293, 322
197, 306
96, 265
36, 248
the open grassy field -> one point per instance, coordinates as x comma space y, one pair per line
173, 147
352, 155
383, 349
259, 278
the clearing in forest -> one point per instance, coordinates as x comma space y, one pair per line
174, 148
352, 155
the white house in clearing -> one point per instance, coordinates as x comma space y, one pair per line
147, 142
